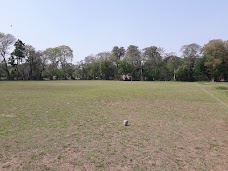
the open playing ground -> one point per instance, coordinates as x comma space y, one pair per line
77, 125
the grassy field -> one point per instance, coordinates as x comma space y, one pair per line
77, 125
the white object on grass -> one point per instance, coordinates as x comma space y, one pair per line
125, 122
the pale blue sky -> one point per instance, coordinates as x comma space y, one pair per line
92, 26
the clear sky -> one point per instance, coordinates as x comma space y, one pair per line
92, 26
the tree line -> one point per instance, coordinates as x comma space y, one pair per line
20, 61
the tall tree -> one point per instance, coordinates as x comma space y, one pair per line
103, 56
107, 66
95, 70
88, 67
65, 56
124, 67
6, 41
134, 57
41, 64
17, 56
52, 55
216, 54
190, 52
30, 55
225, 61
107, 69
118, 53
200, 70
152, 62
172, 63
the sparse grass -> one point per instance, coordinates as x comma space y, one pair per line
77, 125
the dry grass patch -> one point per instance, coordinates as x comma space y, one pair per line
77, 125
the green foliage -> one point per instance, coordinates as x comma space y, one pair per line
118, 53
19, 50
6, 41
17, 56
150, 63
191, 51
216, 53
200, 70
182, 74
59, 74
65, 56
107, 69
172, 63
95, 70
133, 55
124, 67
2, 73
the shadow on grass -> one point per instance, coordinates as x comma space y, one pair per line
221, 88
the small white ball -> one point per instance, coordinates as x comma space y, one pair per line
125, 122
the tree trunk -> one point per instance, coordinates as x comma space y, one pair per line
174, 75
7, 70
222, 78
212, 78
17, 72
64, 71
40, 76
30, 74
8, 73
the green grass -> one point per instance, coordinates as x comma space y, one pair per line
77, 125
